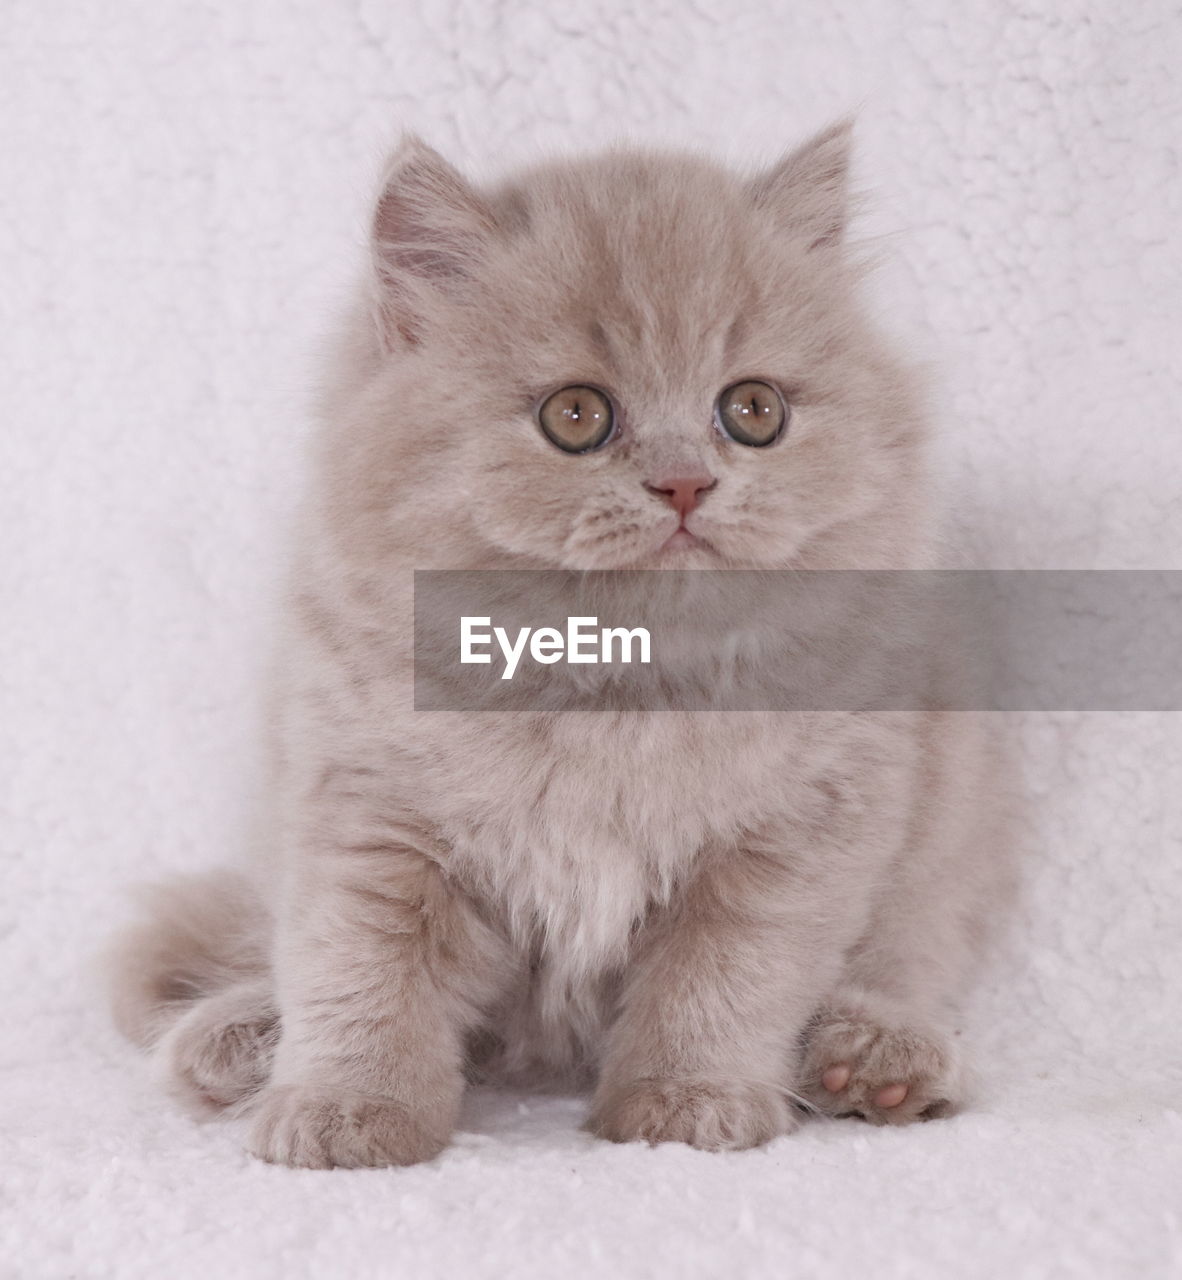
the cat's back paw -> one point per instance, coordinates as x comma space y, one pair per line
317, 1128
713, 1115
218, 1054
886, 1073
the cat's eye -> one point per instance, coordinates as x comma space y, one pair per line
751, 413
577, 419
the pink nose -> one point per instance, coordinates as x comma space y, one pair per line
682, 492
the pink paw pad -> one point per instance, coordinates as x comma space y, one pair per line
836, 1077
891, 1096
884, 1074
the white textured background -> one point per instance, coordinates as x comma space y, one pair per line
182, 196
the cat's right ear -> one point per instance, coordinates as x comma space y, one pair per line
430, 228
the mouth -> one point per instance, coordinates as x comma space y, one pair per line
681, 539
633, 550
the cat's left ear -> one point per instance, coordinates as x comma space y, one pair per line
430, 229
808, 190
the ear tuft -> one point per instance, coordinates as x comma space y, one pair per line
430, 229
808, 190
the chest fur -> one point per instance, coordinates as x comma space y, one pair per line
575, 827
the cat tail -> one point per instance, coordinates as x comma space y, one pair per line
197, 936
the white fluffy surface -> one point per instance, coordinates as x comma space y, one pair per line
182, 200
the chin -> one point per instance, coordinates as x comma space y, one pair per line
697, 555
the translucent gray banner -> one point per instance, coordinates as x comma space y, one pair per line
992, 640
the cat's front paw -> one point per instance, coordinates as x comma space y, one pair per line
713, 1115
856, 1066
316, 1128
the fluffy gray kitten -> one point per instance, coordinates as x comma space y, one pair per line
709, 915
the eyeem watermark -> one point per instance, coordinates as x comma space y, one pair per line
842, 640
583, 641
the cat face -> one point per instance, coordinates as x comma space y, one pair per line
632, 361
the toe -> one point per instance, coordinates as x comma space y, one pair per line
891, 1096
836, 1077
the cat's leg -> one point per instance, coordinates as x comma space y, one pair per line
716, 999
883, 1044
382, 967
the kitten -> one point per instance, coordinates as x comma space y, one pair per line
708, 915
